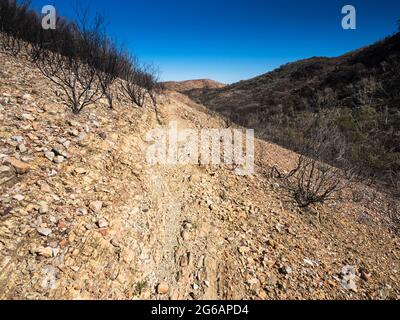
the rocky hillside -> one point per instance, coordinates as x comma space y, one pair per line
361, 89
83, 216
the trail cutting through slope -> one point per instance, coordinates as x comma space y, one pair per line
99, 222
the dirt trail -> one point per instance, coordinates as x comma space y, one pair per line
187, 245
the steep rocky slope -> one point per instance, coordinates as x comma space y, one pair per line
96, 221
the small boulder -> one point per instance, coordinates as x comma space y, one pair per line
27, 97
6, 174
19, 166
27, 116
102, 223
82, 211
44, 208
49, 155
96, 206
80, 170
22, 148
59, 159
44, 187
162, 288
19, 197
46, 252
59, 151
115, 242
285, 270
44, 231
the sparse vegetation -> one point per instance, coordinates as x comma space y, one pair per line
109, 67
140, 286
312, 180
140, 82
77, 56
360, 89
14, 26
73, 66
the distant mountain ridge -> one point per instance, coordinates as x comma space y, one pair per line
362, 87
189, 85
297, 78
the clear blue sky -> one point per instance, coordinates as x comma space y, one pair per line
231, 40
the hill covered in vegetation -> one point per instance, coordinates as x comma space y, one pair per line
189, 85
359, 90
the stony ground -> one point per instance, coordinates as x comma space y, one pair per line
83, 216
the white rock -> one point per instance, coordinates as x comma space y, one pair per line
19, 197
188, 226
49, 155
22, 148
96, 206
53, 219
44, 208
56, 251
27, 96
52, 173
115, 242
44, 231
5, 169
102, 223
75, 268
58, 159
27, 116
309, 262
82, 136
46, 252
